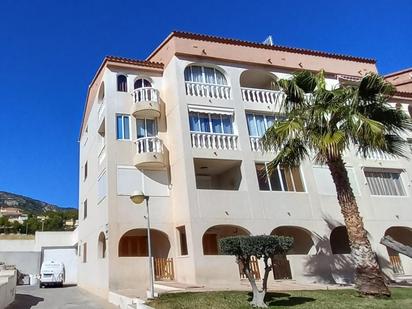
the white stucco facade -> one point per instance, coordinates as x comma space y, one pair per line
206, 184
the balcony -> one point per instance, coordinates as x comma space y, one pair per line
262, 96
219, 141
377, 155
213, 91
256, 144
146, 103
218, 174
150, 153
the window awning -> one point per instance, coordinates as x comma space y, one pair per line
210, 110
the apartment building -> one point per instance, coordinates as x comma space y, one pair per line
184, 127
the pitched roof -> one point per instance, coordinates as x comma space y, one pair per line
145, 63
217, 39
398, 72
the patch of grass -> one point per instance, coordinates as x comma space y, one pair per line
348, 298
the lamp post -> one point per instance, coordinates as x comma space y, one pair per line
138, 197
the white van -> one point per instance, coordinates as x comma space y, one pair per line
52, 273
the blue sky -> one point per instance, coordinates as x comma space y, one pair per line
50, 50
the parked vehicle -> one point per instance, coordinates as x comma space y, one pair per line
52, 274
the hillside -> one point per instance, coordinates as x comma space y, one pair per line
27, 204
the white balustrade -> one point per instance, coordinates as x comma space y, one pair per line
214, 141
377, 155
149, 144
256, 144
262, 96
208, 90
145, 94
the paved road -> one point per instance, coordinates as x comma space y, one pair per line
57, 298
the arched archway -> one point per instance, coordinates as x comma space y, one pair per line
410, 110
258, 79
339, 240
101, 246
402, 235
134, 243
210, 239
302, 238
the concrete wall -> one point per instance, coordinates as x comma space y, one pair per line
7, 287
26, 262
27, 256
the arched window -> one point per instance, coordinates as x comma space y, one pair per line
204, 75
121, 83
101, 247
142, 83
339, 241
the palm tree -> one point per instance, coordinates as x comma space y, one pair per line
324, 124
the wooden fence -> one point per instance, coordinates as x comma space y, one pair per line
396, 264
163, 268
254, 267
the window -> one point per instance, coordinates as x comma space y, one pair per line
101, 246
183, 240
282, 178
123, 127
142, 83
84, 209
100, 96
121, 83
214, 123
85, 253
204, 75
383, 182
85, 171
101, 187
258, 124
146, 128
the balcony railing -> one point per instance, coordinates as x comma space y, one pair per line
214, 141
149, 144
146, 94
377, 155
262, 96
256, 144
208, 90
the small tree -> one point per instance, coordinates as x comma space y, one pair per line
262, 247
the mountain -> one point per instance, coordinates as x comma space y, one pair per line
26, 204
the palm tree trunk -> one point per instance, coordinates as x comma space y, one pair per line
368, 276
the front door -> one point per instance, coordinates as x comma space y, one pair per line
281, 268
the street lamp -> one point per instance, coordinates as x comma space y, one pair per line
138, 197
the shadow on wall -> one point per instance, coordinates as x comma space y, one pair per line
25, 301
326, 266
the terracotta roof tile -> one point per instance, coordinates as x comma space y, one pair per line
203, 37
134, 61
